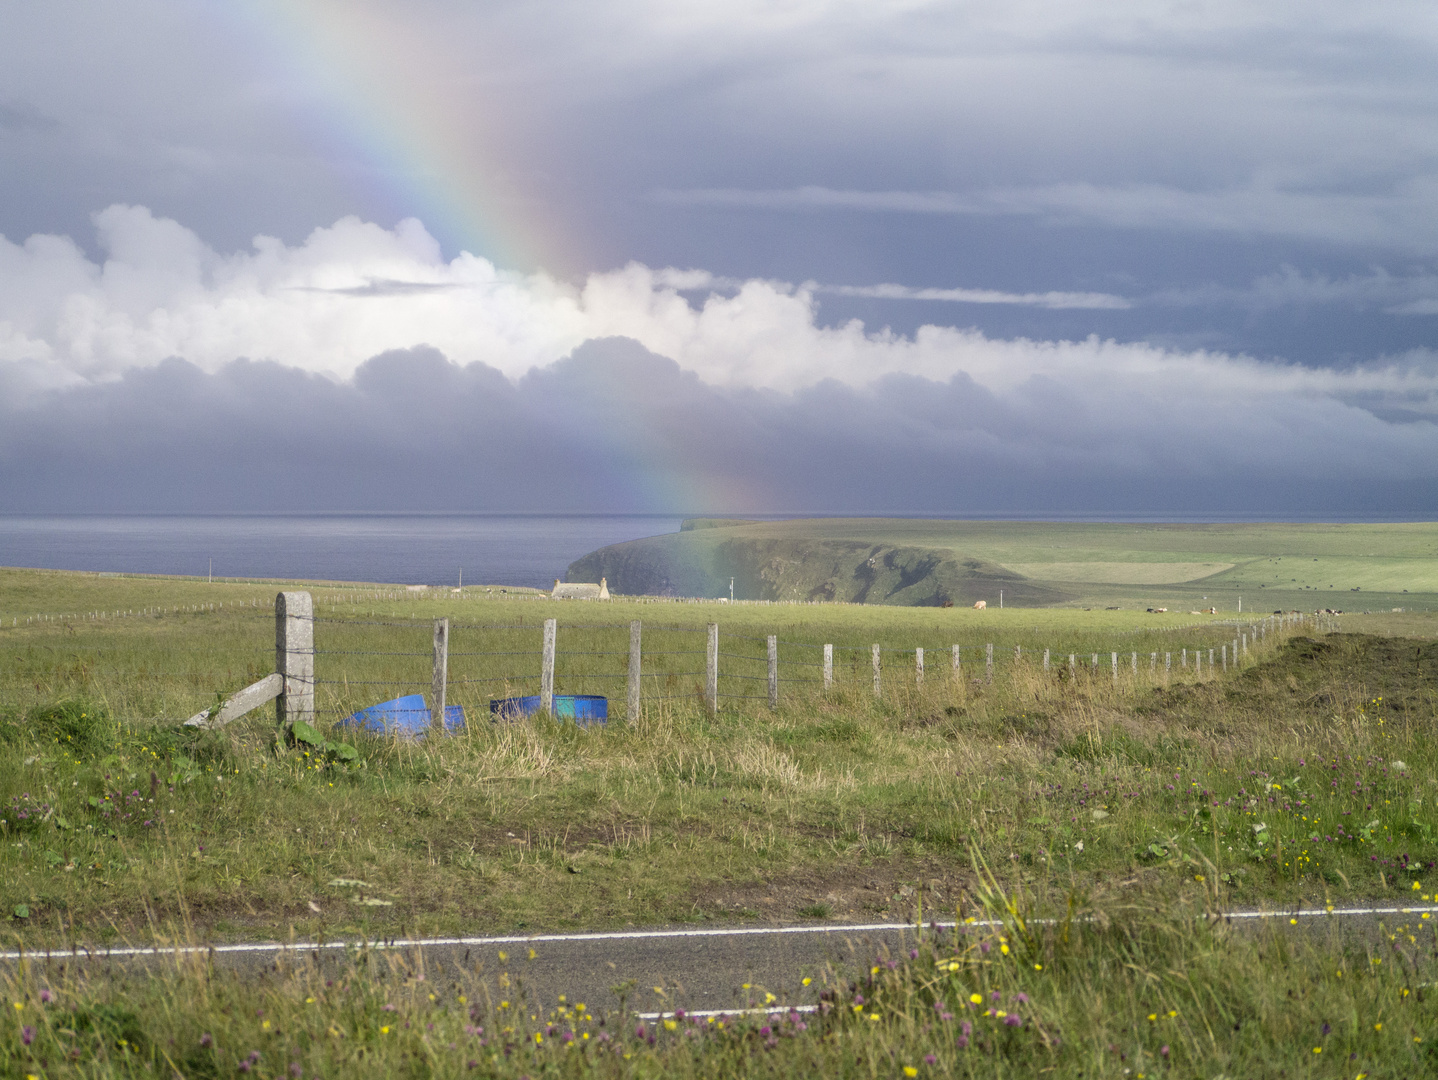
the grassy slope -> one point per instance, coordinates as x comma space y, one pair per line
837, 801
1276, 565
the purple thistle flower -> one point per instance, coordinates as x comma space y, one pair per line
930, 1059
27, 1034
1013, 1021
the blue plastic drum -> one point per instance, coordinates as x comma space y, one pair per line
406, 716
583, 709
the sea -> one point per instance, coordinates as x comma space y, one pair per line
412, 549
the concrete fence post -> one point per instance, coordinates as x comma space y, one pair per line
773, 671
1198, 661
711, 669
1018, 651
1183, 658
295, 657
919, 667
1210, 661
958, 670
989, 662
546, 670
1152, 662
1133, 657
1113, 662
878, 688
1167, 662
1223, 655
1073, 667
828, 667
1046, 661
441, 674
632, 685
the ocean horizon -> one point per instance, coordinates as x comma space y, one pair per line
415, 548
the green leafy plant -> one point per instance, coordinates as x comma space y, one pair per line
307, 735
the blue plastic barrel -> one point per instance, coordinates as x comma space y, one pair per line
583, 709
407, 715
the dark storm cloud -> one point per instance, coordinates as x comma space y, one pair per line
614, 427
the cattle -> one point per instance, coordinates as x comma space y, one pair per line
979, 605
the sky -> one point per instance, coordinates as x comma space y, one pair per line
720, 257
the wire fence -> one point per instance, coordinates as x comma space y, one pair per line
354, 661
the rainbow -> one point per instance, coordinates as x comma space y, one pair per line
384, 90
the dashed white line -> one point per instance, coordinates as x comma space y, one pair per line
629, 935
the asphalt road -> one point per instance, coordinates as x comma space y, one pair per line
694, 969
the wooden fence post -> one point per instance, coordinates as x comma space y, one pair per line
989, 662
919, 667
711, 669
878, 688
828, 667
441, 674
546, 671
295, 657
773, 672
632, 687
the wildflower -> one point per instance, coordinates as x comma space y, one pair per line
46, 996
930, 1059
1163, 1049
207, 1040
27, 1034
909, 1070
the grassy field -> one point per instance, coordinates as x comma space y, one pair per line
1355, 567
1304, 774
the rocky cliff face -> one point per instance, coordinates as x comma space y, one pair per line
700, 562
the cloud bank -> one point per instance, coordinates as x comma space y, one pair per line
360, 370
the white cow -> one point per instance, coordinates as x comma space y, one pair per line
979, 605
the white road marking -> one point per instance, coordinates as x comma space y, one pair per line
628, 935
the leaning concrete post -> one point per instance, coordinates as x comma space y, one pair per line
441, 673
878, 687
634, 671
711, 669
546, 670
989, 662
919, 667
295, 657
828, 666
773, 672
